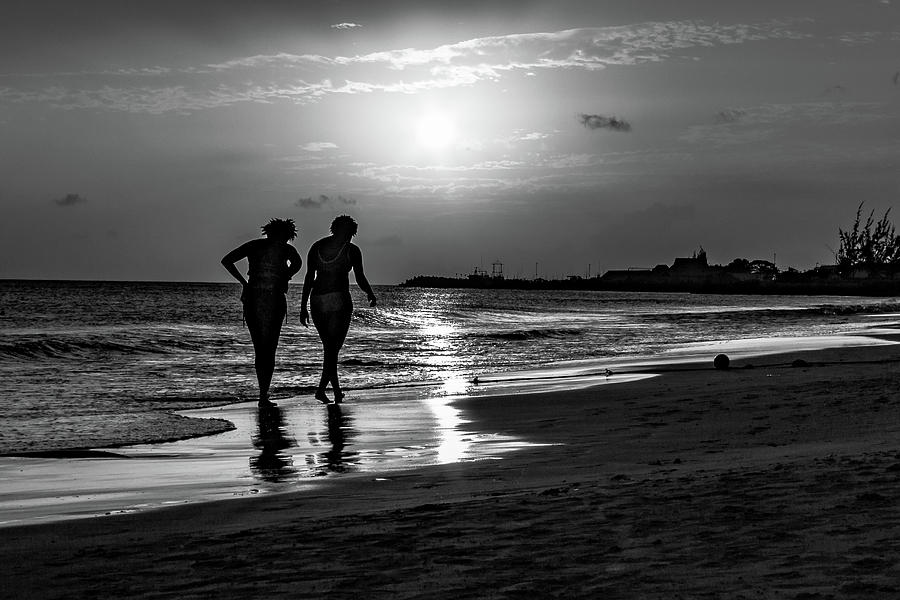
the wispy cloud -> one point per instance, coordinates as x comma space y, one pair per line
865, 38
318, 146
730, 115
346, 26
529, 136
321, 201
311, 202
603, 122
540, 172
307, 78
753, 124
70, 200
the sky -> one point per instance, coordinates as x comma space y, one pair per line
144, 140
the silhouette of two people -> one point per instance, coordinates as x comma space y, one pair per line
273, 261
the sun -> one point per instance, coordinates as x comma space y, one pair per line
435, 131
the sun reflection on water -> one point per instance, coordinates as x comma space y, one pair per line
453, 384
453, 442
441, 346
438, 332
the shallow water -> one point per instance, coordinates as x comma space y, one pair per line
295, 446
90, 364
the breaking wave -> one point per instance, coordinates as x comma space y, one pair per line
60, 348
530, 334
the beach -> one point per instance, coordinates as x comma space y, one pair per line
430, 300
772, 479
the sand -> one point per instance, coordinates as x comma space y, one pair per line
775, 481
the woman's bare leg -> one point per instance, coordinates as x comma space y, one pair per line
264, 323
332, 328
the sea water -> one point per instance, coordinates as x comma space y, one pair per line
91, 364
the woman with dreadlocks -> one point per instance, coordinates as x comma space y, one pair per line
272, 262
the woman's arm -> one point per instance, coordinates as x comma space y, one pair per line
295, 262
356, 261
308, 281
229, 260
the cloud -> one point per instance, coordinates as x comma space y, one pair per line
529, 136
589, 47
318, 146
70, 200
813, 141
602, 122
178, 99
311, 202
862, 38
730, 115
345, 26
546, 172
307, 78
760, 123
322, 201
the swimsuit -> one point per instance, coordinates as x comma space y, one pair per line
335, 301
267, 275
264, 306
331, 302
264, 301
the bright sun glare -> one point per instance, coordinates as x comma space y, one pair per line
435, 131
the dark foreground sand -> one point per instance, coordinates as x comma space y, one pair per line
770, 482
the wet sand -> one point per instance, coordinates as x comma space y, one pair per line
776, 481
297, 446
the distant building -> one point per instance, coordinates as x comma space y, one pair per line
691, 267
684, 271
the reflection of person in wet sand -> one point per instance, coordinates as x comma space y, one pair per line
272, 464
339, 433
327, 288
338, 423
272, 262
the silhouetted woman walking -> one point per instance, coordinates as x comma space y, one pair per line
327, 289
272, 262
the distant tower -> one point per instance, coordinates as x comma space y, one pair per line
497, 269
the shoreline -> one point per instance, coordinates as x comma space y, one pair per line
715, 281
773, 481
404, 428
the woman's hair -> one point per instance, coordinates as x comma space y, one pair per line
284, 228
344, 223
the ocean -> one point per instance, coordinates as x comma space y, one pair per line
98, 364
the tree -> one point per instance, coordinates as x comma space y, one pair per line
740, 265
763, 267
871, 243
